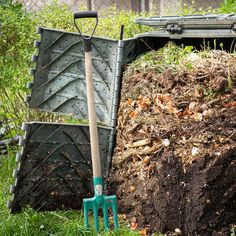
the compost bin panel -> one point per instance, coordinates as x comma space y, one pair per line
59, 79
54, 169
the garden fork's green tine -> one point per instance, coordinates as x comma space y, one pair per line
100, 202
105, 215
112, 203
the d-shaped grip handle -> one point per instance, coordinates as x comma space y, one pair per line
85, 14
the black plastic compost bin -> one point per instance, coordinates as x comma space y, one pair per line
54, 165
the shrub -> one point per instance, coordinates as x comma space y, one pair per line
110, 19
17, 33
228, 6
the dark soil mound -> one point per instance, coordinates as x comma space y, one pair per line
174, 165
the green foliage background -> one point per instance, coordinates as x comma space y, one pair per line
229, 6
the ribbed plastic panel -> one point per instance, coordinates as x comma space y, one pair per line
199, 26
192, 21
59, 77
54, 168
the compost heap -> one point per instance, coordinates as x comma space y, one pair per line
174, 165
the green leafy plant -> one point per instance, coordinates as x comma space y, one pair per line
110, 19
228, 6
15, 46
191, 9
170, 56
17, 33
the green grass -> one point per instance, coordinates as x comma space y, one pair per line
30, 222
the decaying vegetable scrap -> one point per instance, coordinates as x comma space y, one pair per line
174, 165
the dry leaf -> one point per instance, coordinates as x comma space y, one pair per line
132, 188
133, 114
143, 231
146, 160
186, 112
231, 104
164, 101
144, 103
133, 226
129, 101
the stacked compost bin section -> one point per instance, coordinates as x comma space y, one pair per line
168, 97
54, 166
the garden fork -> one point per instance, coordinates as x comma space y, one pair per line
99, 201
